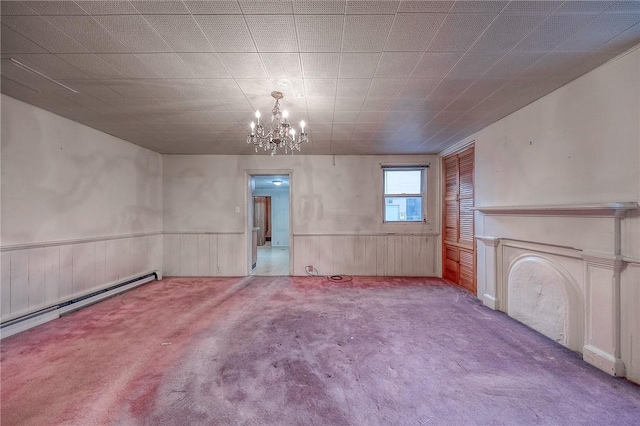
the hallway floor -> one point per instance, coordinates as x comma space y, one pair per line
300, 351
272, 261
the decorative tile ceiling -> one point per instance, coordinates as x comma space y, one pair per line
369, 77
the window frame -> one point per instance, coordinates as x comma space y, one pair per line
422, 194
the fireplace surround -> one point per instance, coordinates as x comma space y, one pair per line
559, 269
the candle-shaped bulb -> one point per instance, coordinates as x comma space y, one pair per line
285, 114
257, 114
293, 133
302, 124
253, 125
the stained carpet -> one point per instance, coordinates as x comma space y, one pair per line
300, 351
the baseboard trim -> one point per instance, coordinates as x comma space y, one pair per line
490, 301
603, 361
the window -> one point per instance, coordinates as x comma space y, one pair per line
403, 194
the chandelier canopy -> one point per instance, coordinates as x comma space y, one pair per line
277, 135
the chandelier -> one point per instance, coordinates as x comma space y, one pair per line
278, 135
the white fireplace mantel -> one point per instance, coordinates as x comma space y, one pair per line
594, 209
572, 253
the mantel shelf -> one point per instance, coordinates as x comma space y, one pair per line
596, 209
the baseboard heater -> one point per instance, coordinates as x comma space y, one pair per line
33, 319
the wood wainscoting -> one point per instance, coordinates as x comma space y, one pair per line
458, 248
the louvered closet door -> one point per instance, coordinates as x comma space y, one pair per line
458, 233
451, 258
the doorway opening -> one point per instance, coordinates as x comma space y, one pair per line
269, 223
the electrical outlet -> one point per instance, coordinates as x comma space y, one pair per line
237, 209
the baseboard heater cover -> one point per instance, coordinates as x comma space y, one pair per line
25, 322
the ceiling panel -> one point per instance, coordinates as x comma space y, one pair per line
45, 34
51, 7
622, 42
425, 6
13, 42
473, 65
369, 76
361, 7
505, 32
10, 8
205, 65
625, 7
159, 88
129, 65
261, 28
512, 64
599, 30
127, 88
94, 88
282, 65
418, 88
167, 65
385, 87
366, 33
578, 6
243, 65
554, 30
266, 7
353, 87
89, 33
226, 89
161, 7
397, 64
107, 7
92, 65
531, 7
358, 65
450, 38
181, 32
134, 32
478, 6
320, 87
320, 65
319, 33
226, 33
213, 7
319, 7
413, 31
436, 64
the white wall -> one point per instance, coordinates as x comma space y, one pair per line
579, 144
336, 202
279, 214
80, 208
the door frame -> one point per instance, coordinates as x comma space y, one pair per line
249, 173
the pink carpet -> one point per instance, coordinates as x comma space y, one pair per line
300, 351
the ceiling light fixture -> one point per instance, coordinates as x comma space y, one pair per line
277, 135
277, 182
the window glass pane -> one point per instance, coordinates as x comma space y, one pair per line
402, 181
401, 209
